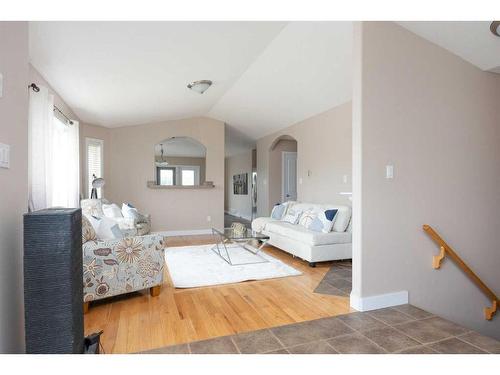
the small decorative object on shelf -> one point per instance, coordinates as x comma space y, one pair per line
208, 183
238, 228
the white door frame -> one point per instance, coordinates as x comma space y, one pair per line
283, 157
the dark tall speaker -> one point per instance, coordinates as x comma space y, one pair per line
53, 282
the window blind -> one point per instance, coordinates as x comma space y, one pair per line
94, 162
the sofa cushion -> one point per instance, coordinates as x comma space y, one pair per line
342, 218
105, 228
278, 211
88, 232
292, 216
307, 218
129, 211
92, 207
259, 224
324, 220
112, 210
304, 235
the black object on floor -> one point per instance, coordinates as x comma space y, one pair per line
92, 343
53, 281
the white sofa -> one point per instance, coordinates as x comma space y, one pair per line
307, 244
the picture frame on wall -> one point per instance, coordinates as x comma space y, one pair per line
240, 184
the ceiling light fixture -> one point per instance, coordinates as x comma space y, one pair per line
163, 160
495, 28
200, 86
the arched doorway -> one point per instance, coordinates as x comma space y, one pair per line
282, 170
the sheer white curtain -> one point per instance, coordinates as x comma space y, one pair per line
53, 156
65, 164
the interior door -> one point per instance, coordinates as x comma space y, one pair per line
289, 180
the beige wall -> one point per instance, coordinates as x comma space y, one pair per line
14, 181
239, 205
130, 164
436, 118
323, 148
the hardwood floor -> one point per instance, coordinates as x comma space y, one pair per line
138, 322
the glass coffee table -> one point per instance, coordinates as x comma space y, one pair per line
246, 239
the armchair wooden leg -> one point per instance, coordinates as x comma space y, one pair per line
155, 291
86, 306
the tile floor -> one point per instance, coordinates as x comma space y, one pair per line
402, 329
337, 281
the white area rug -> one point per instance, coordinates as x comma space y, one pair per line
195, 266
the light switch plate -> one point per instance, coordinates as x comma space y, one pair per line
389, 171
1, 85
4, 156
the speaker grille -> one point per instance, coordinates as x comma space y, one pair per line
53, 281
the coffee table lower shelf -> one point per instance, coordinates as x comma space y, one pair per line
223, 252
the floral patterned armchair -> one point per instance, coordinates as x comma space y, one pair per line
118, 266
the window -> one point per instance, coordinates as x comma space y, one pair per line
184, 175
187, 177
94, 157
165, 175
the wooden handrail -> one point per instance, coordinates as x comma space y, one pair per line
445, 249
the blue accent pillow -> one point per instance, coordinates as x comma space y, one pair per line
316, 225
323, 222
330, 214
278, 211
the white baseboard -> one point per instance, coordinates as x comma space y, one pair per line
172, 233
379, 301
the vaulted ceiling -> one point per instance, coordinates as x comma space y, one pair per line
267, 75
471, 40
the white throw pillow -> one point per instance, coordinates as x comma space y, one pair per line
129, 211
342, 218
105, 228
279, 210
292, 216
324, 221
112, 211
307, 218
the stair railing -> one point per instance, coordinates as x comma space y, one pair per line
445, 249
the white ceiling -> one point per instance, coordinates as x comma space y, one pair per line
267, 75
127, 73
471, 40
305, 70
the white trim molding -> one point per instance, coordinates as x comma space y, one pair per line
172, 233
379, 301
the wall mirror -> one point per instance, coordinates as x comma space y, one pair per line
180, 161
